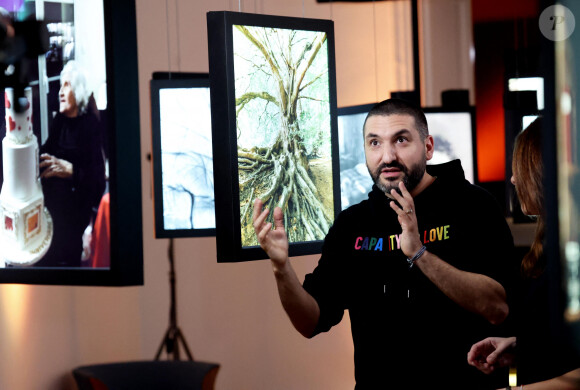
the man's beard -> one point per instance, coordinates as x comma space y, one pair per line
411, 176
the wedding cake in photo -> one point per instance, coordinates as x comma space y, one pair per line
25, 224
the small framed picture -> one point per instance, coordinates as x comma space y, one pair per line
182, 155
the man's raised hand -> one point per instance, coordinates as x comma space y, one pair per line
273, 241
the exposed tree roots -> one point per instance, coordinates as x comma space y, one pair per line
280, 177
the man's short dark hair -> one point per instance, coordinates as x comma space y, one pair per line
401, 107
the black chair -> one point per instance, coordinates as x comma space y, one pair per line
147, 375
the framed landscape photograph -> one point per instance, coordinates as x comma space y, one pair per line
273, 98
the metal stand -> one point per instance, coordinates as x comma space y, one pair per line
173, 336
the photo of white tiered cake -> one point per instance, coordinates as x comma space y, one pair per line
25, 224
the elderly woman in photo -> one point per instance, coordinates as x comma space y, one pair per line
72, 168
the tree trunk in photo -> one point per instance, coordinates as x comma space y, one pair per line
280, 174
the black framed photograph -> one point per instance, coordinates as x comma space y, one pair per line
70, 204
273, 99
183, 179
453, 131
454, 135
355, 180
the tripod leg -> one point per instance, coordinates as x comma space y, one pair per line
175, 344
182, 338
163, 344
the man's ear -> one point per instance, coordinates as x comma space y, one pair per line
429, 147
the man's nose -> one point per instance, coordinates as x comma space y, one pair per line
389, 154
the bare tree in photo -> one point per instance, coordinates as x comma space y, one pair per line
188, 188
283, 121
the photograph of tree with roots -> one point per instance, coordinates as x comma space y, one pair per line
284, 128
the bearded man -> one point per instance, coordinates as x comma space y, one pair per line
422, 265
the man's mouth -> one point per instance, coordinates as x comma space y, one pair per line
389, 173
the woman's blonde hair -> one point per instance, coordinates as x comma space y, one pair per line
528, 172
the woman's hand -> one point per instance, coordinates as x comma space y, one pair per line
492, 353
55, 167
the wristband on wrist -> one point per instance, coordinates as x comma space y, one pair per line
412, 260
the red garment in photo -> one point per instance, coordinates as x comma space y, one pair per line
101, 243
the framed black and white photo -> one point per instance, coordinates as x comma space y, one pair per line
183, 177
453, 132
